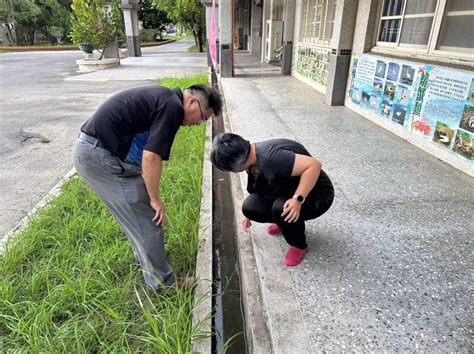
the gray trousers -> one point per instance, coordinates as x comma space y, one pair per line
122, 189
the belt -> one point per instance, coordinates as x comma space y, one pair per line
91, 140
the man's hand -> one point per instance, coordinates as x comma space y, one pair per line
291, 209
246, 223
159, 208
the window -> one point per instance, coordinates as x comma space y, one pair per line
457, 28
428, 26
317, 21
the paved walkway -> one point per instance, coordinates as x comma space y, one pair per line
390, 264
169, 60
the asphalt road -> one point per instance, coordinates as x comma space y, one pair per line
43, 103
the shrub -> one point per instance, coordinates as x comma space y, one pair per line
95, 23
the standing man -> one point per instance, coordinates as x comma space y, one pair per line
120, 152
286, 184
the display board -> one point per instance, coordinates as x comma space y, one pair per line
432, 102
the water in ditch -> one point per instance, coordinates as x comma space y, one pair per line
229, 325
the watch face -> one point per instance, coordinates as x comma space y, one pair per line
300, 198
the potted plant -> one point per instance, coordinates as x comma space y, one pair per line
95, 24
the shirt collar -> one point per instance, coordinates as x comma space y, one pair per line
179, 93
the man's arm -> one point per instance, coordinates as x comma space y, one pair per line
309, 169
152, 165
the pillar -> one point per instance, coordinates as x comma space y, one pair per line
341, 48
256, 30
288, 35
130, 15
365, 26
265, 16
226, 51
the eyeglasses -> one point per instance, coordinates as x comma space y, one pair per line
203, 117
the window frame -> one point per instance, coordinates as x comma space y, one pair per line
321, 40
421, 49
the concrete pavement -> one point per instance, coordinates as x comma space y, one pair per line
389, 266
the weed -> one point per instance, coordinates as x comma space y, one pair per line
68, 282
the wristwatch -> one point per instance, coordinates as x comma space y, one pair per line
299, 198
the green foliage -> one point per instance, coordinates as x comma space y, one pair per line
25, 17
151, 17
68, 282
22, 16
94, 22
188, 13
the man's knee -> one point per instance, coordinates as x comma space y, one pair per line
250, 207
277, 208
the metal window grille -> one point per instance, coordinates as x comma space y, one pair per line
317, 21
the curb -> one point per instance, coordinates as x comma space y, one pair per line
256, 319
53, 193
69, 47
202, 313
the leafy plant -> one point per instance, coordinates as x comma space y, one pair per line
56, 32
96, 23
188, 13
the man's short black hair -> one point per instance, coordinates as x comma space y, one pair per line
211, 97
229, 152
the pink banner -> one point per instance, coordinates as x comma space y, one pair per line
211, 38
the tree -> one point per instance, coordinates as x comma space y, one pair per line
55, 18
22, 18
153, 19
96, 23
188, 13
19, 17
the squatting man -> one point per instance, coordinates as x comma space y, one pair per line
286, 186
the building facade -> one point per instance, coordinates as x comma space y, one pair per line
407, 65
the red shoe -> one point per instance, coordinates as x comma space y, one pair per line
273, 230
294, 256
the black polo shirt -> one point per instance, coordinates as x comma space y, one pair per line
275, 161
154, 109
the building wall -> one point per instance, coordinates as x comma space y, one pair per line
414, 95
310, 52
427, 99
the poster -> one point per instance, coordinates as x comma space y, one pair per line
443, 110
313, 63
384, 87
435, 103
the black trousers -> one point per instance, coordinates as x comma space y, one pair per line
258, 208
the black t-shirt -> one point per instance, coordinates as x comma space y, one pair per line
153, 109
275, 161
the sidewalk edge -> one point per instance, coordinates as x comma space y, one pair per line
23, 223
202, 311
256, 320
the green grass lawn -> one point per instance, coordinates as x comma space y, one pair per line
68, 283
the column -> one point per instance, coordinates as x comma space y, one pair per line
365, 26
130, 15
225, 38
256, 27
266, 16
289, 14
341, 48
